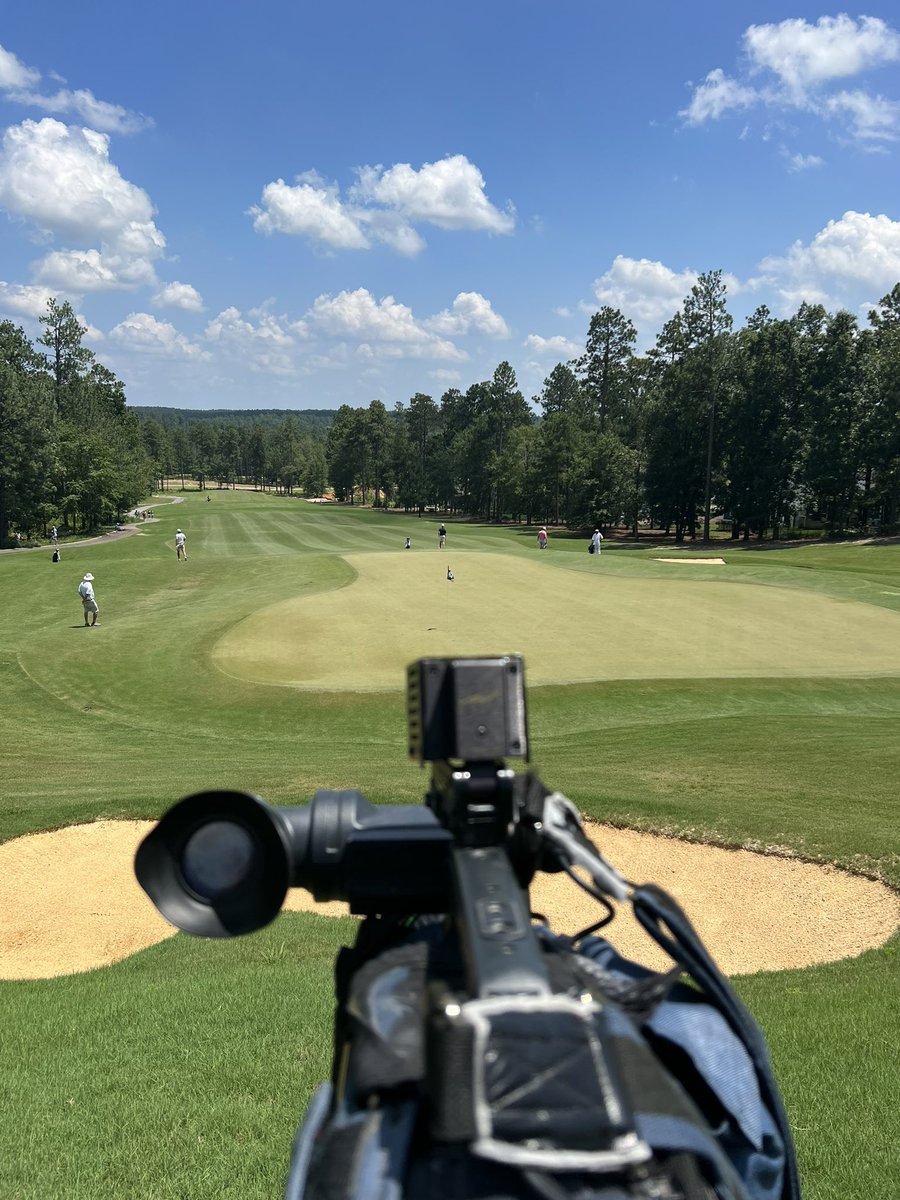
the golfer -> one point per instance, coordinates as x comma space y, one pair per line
180, 551
596, 539
442, 536
88, 600
542, 538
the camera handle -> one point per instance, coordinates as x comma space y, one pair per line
501, 952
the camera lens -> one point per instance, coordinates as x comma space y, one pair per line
218, 857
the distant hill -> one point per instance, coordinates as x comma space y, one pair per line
309, 420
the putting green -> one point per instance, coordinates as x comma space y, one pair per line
571, 625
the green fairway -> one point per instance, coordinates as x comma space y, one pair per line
755, 703
402, 606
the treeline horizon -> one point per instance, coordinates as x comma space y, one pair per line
781, 422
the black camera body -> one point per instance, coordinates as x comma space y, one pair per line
476, 1053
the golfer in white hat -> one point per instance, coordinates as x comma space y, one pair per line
180, 551
88, 600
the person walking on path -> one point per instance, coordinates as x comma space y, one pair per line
542, 538
88, 600
180, 551
596, 539
442, 536
54, 535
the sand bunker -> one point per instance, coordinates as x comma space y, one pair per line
69, 902
716, 561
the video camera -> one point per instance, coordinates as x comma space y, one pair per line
477, 1053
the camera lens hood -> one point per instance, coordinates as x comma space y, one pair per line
218, 864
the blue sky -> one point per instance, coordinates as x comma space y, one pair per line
266, 205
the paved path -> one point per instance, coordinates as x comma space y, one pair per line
113, 536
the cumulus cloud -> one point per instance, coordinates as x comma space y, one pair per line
310, 208
383, 206
449, 194
19, 84
23, 300
179, 295
265, 341
844, 265
794, 65
645, 291
384, 326
857, 253
61, 179
143, 333
93, 271
558, 347
471, 313
804, 55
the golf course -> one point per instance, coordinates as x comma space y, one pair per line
727, 701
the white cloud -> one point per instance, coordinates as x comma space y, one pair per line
449, 193
804, 55
558, 347
384, 327
93, 271
61, 179
179, 295
143, 333
382, 206
99, 114
858, 251
717, 95
393, 230
872, 117
802, 162
23, 300
442, 375
471, 313
19, 82
312, 208
14, 74
798, 62
266, 342
645, 291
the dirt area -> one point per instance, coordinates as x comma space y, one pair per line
69, 902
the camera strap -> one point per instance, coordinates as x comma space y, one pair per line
531, 1082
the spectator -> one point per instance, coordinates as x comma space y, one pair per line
88, 600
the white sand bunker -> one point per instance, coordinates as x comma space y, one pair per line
719, 562
69, 902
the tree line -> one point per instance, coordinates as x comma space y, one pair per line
782, 422
71, 453
282, 455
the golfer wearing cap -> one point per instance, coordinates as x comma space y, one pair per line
180, 551
88, 600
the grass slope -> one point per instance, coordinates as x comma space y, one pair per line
183, 1071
